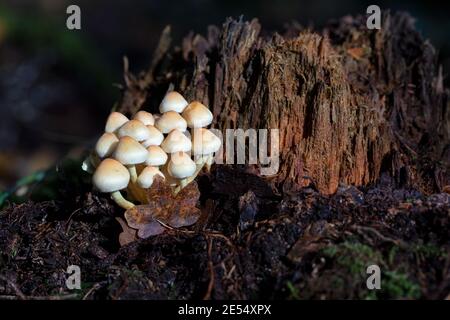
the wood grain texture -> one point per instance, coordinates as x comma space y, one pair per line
350, 103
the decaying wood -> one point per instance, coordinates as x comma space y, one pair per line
350, 103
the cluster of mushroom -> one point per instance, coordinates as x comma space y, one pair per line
131, 153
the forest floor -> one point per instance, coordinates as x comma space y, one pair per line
250, 243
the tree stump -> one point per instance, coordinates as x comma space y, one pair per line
351, 104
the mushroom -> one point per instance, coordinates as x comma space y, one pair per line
156, 156
181, 167
134, 129
106, 144
144, 117
173, 101
169, 121
176, 141
130, 152
115, 121
197, 115
205, 143
155, 139
111, 177
145, 179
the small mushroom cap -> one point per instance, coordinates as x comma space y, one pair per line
181, 165
173, 101
111, 176
169, 121
145, 179
176, 141
155, 139
205, 142
115, 121
197, 115
106, 144
129, 151
156, 156
134, 129
145, 117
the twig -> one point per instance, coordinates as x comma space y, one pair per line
91, 290
379, 235
206, 233
211, 271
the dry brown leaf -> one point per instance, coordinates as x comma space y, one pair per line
176, 211
128, 234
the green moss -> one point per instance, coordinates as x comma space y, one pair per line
349, 261
330, 251
392, 254
428, 250
353, 256
398, 285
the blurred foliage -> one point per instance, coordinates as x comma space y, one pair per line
57, 183
39, 32
11, 196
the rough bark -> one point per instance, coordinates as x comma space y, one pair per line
350, 103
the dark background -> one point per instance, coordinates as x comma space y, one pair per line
56, 85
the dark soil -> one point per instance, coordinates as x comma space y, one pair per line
250, 243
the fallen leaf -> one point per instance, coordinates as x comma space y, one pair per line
128, 234
174, 210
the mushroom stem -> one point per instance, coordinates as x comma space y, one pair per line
133, 173
209, 161
186, 181
121, 201
183, 183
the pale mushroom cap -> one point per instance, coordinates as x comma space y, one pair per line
129, 151
134, 129
106, 144
173, 101
111, 176
156, 156
155, 139
169, 121
205, 142
145, 117
145, 178
115, 121
181, 165
197, 115
176, 141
